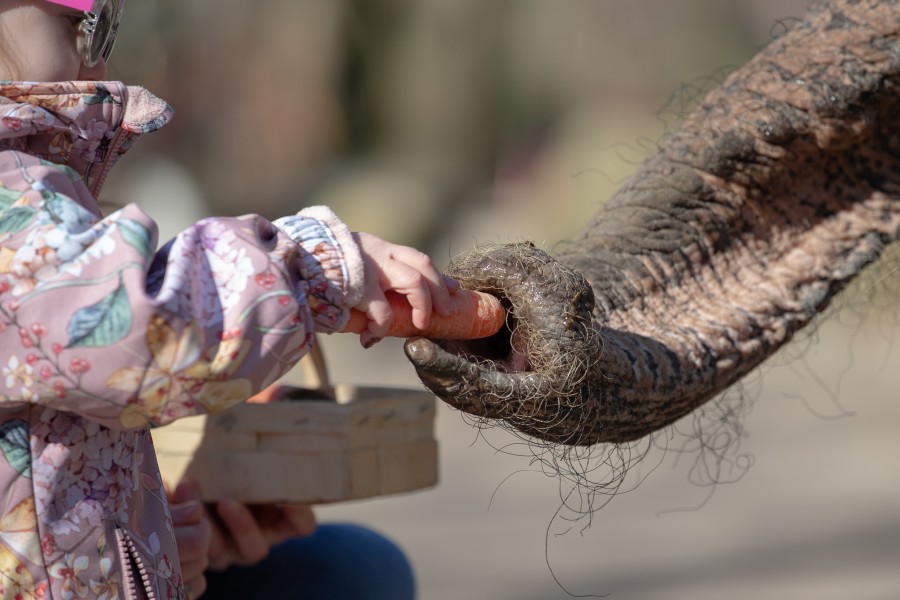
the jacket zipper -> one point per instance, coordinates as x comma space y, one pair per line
134, 574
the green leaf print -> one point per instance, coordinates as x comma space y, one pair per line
103, 323
14, 445
101, 96
137, 235
72, 173
8, 196
16, 219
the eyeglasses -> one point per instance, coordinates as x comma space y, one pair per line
97, 30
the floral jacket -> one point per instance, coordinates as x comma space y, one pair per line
102, 337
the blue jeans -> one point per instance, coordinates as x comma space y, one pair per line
338, 561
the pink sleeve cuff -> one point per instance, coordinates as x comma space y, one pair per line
356, 274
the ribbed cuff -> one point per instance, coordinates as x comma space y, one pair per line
356, 273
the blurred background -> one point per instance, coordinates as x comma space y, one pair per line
444, 123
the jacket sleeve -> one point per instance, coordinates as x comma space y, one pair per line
95, 322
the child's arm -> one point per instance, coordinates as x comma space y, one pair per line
93, 321
380, 266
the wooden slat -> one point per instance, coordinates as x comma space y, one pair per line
370, 442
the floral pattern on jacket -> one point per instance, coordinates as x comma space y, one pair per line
103, 337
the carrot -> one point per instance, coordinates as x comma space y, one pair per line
474, 315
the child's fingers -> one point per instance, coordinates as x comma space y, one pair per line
378, 316
394, 269
448, 289
420, 295
218, 554
195, 587
302, 520
193, 545
184, 491
185, 505
247, 539
451, 284
406, 281
377, 310
186, 513
424, 271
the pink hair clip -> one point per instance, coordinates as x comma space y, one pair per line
82, 5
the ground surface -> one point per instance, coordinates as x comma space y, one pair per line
817, 516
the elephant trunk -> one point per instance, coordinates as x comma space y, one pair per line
776, 191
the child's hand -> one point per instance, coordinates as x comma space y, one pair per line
193, 535
406, 271
243, 534
227, 533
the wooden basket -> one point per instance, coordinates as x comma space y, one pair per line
316, 446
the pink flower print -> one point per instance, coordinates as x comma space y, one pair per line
216, 396
177, 364
68, 570
165, 570
318, 307
12, 123
79, 366
81, 476
231, 267
107, 587
92, 136
233, 333
60, 144
188, 285
266, 280
25, 338
180, 375
19, 374
32, 262
48, 544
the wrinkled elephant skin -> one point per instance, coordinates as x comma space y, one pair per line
772, 195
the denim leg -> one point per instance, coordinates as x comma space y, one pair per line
339, 561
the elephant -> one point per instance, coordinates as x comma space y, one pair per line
750, 217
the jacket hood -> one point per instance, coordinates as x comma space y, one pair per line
86, 125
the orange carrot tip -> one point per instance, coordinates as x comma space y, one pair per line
473, 315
